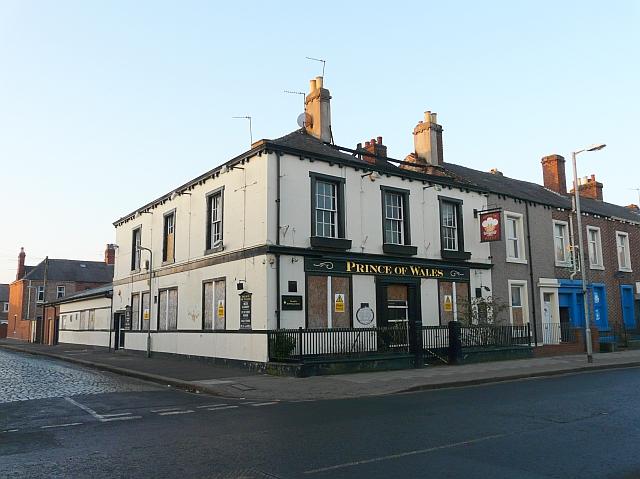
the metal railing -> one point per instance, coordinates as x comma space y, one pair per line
320, 344
435, 343
495, 336
558, 333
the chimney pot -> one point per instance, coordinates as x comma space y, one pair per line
380, 139
366, 144
373, 141
318, 83
312, 86
21, 268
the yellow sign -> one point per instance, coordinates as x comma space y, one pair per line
339, 303
448, 303
145, 314
221, 308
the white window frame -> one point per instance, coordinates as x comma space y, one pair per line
396, 219
59, 289
521, 258
5, 307
40, 292
598, 247
322, 212
524, 298
627, 267
451, 229
566, 262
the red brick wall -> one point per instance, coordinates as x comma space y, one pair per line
17, 328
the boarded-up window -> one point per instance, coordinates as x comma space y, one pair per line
328, 302
214, 304
83, 320
145, 313
135, 312
92, 320
169, 238
454, 302
168, 310
517, 303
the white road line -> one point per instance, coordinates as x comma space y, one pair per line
85, 409
221, 408
403, 454
61, 425
123, 418
166, 409
209, 405
171, 413
264, 404
9, 430
117, 414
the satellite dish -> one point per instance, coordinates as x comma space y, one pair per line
304, 120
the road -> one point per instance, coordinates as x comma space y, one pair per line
84, 423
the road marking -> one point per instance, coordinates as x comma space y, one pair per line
404, 454
171, 413
86, 409
9, 430
209, 405
166, 409
264, 404
117, 414
123, 418
221, 408
61, 425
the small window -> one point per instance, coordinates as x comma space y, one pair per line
518, 303
136, 238
214, 219
561, 243
168, 310
395, 217
624, 258
514, 237
5, 307
40, 294
169, 240
60, 292
293, 286
595, 248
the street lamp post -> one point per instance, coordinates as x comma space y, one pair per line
576, 191
140, 248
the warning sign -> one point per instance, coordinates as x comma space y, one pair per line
448, 303
145, 314
220, 308
339, 303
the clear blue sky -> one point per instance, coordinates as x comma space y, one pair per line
106, 105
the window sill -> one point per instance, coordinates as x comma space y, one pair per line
597, 267
340, 244
516, 260
400, 249
214, 250
563, 265
460, 255
167, 263
625, 270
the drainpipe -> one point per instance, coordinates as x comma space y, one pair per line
277, 240
111, 320
533, 285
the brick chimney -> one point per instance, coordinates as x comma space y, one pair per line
375, 147
496, 171
427, 140
110, 254
317, 106
553, 174
21, 269
590, 188
633, 207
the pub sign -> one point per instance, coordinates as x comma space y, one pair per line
490, 226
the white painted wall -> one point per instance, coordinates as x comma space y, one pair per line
429, 302
91, 338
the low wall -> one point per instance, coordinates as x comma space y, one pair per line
90, 338
249, 346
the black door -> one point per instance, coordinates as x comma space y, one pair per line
398, 305
118, 343
565, 320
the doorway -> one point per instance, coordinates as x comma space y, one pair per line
118, 332
398, 305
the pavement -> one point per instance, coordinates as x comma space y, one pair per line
233, 382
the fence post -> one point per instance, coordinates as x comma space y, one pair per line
529, 332
300, 343
455, 343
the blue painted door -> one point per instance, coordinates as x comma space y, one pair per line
600, 307
628, 313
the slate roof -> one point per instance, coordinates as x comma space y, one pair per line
301, 140
73, 270
534, 192
4, 293
87, 293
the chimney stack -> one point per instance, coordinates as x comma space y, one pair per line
375, 147
317, 106
427, 140
21, 268
588, 187
553, 174
110, 254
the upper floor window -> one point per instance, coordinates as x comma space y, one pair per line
60, 292
214, 219
395, 216
451, 230
169, 239
624, 256
40, 294
136, 238
595, 247
327, 207
561, 243
514, 237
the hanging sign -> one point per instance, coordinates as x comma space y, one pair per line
245, 310
490, 229
339, 303
448, 303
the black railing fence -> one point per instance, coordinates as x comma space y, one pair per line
496, 336
619, 334
557, 333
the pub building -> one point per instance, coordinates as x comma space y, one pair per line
298, 232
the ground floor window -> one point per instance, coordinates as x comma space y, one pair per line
455, 302
518, 311
146, 315
214, 304
135, 312
329, 301
168, 310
